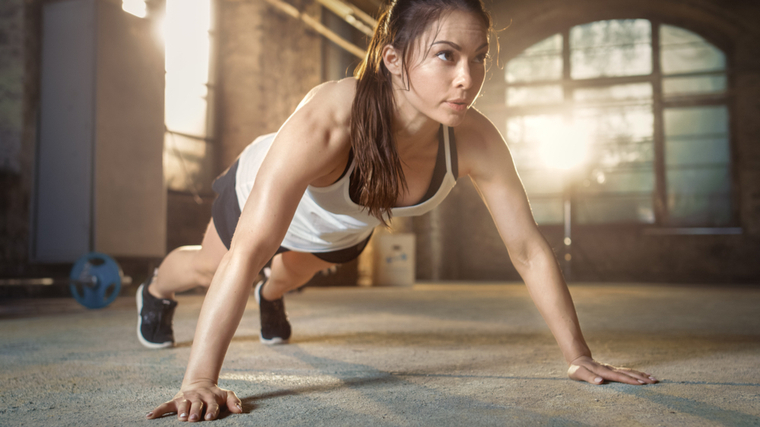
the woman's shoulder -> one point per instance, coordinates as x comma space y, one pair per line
477, 132
477, 140
333, 97
319, 127
326, 110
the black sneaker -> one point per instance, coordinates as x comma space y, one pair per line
275, 328
154, 318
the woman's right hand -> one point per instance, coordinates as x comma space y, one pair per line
193, 400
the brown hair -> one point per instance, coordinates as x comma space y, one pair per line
378, 176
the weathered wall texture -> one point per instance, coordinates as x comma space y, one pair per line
11, 83
471, 246
268, 62
19, 72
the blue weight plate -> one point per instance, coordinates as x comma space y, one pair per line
96, 280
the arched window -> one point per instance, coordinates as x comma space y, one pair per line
641, 107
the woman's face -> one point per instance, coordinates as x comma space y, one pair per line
447, 67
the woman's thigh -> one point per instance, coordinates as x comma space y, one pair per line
301, 264
212, 250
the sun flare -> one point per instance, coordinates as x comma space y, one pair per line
563, 146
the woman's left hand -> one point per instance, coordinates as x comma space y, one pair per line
587, 369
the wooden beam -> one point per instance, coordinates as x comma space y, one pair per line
318, 27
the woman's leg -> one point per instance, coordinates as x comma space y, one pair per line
184, 268
291, 270
189, 266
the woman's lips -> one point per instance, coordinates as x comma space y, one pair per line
457, 105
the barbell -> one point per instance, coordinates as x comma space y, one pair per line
94, 281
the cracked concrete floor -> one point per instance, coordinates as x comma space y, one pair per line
429, 355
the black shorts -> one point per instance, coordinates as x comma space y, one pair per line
226, 213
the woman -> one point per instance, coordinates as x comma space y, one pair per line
354, 153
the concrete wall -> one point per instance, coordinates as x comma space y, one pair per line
20, 57
471, 248
19, 74
267, 62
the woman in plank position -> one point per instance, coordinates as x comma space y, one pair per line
390, 142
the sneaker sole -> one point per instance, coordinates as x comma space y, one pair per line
143, 341
265, 341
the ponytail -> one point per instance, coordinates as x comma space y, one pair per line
378, 177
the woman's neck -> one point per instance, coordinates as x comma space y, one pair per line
416, 132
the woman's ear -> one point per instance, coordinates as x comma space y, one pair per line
392, 60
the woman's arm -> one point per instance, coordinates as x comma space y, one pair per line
309, 147
484, 156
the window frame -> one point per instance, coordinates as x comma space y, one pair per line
659, 104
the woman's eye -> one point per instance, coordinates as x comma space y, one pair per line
445, 55
482, 58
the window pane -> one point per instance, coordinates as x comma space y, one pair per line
697, 151
640, 180
544, 186
693, 85
524, 136
620, 184
622, 153
611, 48
620, 135
699, 180
621, 125
186, 107
697, 166
685, 52
542, 61
542, 182
696, 122
187, 38
705, 210
548, 46
187, 161
187, 164
517, 96
547, 210
630, 93
625, 208
527, 129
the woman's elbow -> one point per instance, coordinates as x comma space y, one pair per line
530, 254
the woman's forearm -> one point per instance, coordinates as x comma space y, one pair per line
549, 292
220, 316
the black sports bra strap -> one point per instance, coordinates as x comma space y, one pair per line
453, 152
439, 170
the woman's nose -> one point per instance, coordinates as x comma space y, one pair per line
464, 76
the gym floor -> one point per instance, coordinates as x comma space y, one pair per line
428, 355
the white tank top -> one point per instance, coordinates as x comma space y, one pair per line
327, 219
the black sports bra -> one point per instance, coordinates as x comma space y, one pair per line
439, 170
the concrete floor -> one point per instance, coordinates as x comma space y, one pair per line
431, 355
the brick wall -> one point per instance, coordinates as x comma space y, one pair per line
268, 62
